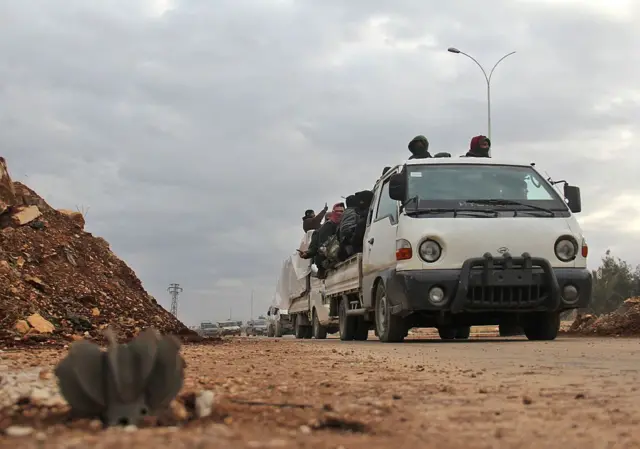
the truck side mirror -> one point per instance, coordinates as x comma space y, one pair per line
398, 187
572, 194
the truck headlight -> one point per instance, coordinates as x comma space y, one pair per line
566, 248
430, 251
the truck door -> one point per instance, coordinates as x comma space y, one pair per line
379, 249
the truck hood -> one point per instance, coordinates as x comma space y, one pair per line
464, 238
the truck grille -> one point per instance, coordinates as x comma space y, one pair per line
506, 297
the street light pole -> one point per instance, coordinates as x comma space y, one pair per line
487, 79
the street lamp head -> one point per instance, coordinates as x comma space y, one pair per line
453, 50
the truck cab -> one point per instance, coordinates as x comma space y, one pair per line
452, 243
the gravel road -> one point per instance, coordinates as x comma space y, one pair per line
286, 393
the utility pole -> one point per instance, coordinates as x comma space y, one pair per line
175, 290
251, 304
487, 78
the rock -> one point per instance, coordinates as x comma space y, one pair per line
18, 431
75, 216
25, 214
7, 190
35, 281
95, 311
204, 403
22, 326
179, 411
40, 324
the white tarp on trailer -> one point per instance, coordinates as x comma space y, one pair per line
293, 275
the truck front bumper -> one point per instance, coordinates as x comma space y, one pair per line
487, 284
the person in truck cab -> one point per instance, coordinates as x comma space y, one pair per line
311, 220
479, 147
419, 147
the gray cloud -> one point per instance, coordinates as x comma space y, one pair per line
199, 136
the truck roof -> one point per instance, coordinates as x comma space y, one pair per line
467, 160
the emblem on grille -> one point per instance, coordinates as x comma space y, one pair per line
503, 249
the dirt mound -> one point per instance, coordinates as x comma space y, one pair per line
60, 283
625, 321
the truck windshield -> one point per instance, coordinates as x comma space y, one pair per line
481, 186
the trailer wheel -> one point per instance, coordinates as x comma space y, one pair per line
391, 328
542, 326
347, 323
319, 331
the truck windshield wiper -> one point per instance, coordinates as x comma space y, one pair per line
500, 202
456, 211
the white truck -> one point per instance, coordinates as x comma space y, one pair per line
453, 243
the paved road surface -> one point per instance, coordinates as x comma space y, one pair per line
485, 393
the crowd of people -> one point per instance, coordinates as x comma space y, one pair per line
338, 234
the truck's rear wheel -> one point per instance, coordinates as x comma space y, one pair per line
298, 330
347, 323
319, 331
463, 332
391, 328
542, 326
278, 330
361, 332
271, 331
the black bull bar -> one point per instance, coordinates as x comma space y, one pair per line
507, 273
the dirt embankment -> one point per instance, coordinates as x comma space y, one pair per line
59, 283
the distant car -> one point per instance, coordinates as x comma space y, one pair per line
230, 328
257, 327
208, 329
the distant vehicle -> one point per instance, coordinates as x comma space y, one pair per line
257, 327
209, 329
278, 322
230, 328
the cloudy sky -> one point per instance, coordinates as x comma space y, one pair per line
198, 131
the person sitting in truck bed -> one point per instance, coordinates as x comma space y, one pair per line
311, 220
347, 227
320, 238
364, 200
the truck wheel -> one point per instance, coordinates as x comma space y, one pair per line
271, 331
347, 323
447, 332
391, 328
361, 329
542, 326
509, 330
463, 332
298, 330
278, 330
319, 331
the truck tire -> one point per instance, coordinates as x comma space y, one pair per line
347, 323
542, 326
463, 332
319, 331
391, 328
362, 329
278, 330
447, 332
270, 331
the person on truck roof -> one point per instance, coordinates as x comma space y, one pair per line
479, 147
312, 221
419, 147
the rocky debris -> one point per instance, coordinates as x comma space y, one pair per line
625, 321
75, 216
60, 283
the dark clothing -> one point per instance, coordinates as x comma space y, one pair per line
347, 226
419, 147
474, 147
327, 229
312, 250
309, 224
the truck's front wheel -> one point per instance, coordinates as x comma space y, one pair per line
391, 328
542, 326
319, 331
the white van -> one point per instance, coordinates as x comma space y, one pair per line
452, 243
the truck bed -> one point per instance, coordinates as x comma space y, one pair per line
345, 277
